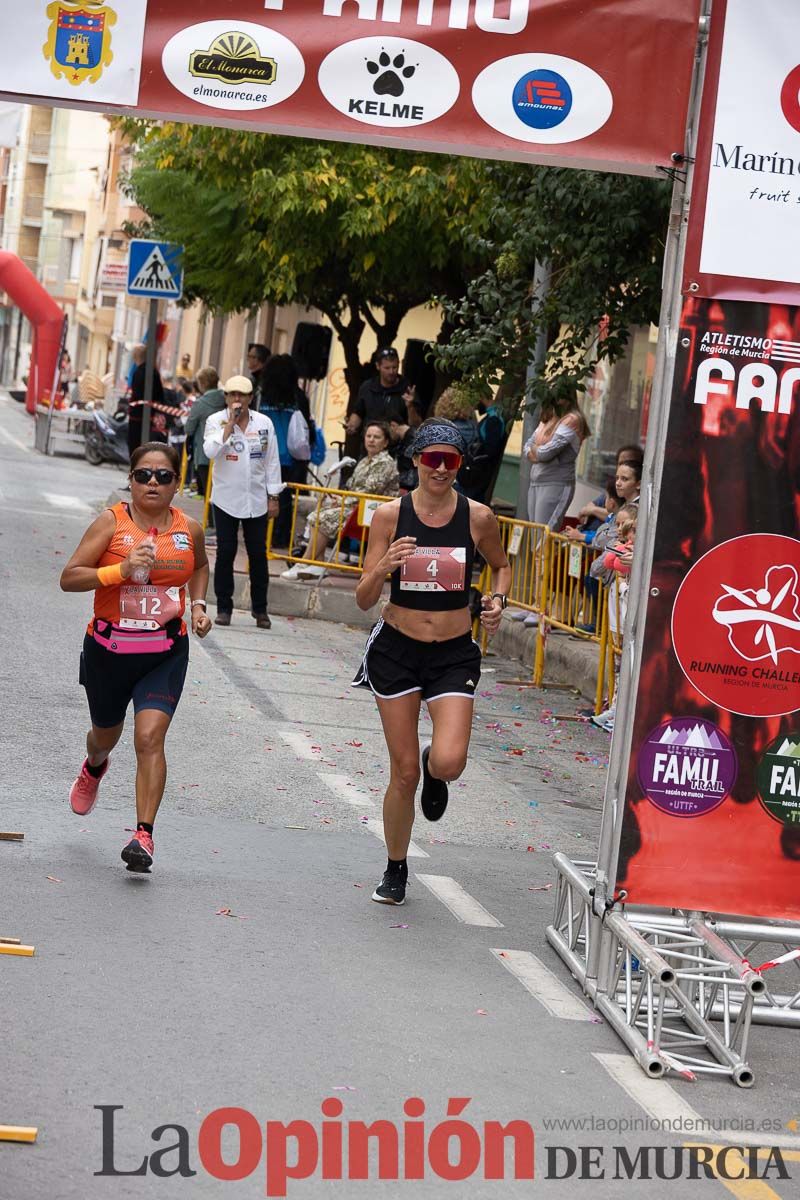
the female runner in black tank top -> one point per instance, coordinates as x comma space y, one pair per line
422, 648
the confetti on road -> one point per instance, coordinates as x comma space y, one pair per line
54, 879
398, 927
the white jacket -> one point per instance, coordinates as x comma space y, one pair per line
247, 468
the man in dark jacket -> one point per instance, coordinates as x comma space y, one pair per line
257, 356
211, 400
158, 418
384, 397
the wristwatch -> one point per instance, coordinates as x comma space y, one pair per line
198, 601
502, 598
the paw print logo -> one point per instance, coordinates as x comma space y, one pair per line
389, 71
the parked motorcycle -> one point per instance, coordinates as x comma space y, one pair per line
106, 437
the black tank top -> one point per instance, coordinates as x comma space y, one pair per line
439, 576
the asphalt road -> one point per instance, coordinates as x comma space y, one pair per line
143, 994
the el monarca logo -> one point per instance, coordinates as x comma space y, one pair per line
233, 58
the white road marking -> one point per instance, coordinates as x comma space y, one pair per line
49, 512
543, 985
344, 789
463, 906
302, 745
663, 1104
10, 440
376, 827
60, 501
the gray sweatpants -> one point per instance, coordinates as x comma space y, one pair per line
548, 502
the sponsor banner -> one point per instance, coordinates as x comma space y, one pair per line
73, 51
715, 735
549, 81
743, 227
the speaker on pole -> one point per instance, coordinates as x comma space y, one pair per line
311, 349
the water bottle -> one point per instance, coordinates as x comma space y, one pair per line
141, 574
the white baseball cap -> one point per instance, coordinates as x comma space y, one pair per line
238, 383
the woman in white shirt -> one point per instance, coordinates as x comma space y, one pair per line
246, 485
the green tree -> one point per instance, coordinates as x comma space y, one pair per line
603, 238
361, 233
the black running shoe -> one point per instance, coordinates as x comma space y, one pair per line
138, 854
392, 888
433, 800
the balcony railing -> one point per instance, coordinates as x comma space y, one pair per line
32, 209
39, 146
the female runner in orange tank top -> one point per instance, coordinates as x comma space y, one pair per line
136, 647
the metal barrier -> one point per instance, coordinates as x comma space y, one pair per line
348, 516
550, 578
549, 573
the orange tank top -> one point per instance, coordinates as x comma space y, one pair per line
148, 608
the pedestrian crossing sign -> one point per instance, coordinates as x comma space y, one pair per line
155, 270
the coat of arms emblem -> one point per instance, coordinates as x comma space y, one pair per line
79, 41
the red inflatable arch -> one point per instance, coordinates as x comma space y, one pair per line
44, 315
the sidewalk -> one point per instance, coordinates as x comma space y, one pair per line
570, 660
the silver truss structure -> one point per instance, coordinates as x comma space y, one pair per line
675, 986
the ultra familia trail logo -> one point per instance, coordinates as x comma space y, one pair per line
79, 40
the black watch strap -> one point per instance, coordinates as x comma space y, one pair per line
501, 597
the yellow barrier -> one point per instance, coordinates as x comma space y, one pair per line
339, 505
184, 469
207, 497
548, 574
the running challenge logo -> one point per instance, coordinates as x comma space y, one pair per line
736, 625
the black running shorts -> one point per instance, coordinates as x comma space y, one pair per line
149, 680
396, 665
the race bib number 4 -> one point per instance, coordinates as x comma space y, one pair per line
434, 569
146, 606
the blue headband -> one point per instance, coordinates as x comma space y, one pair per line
439, 435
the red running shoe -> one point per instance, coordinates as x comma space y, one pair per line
83, 793
138, 854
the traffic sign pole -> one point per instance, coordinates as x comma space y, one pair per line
149, 369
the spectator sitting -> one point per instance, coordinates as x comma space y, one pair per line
375, 474
597, 537
588, 527
620, 556
596, 511
616, 565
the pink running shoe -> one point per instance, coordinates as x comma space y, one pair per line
138, 854
83, 793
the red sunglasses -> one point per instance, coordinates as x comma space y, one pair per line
450, 459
